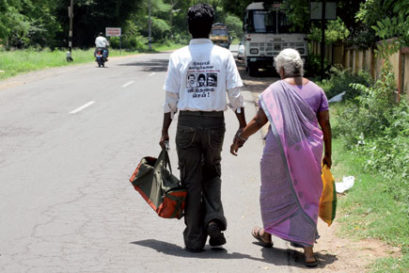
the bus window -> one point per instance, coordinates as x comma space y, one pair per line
262, 21
219, 32
283, 25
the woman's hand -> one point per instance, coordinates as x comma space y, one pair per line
243, 133
327, 161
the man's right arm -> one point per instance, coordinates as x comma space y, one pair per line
170, 108
165, 127
171, 100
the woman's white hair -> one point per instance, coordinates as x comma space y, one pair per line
290, 60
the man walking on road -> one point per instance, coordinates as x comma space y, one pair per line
201, 127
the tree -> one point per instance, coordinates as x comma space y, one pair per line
234, 25
28, 22
393, 23
93, 16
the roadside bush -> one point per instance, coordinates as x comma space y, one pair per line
369, 113
312, 66
133, 42
378, 129
341, 79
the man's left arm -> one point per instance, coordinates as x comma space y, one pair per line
241, 117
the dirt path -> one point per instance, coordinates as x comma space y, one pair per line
335, 252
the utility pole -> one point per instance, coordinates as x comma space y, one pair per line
323, 26
149, 26
70, 15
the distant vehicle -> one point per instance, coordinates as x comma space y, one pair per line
240, 51
266, 33
220, 35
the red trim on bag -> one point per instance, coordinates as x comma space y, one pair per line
151, 161
170, 208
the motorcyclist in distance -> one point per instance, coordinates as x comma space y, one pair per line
102, 42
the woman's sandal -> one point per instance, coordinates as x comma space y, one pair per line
311, 263
257, 234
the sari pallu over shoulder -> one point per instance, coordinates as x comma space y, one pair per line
291, 182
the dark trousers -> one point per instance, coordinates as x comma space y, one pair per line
199, 141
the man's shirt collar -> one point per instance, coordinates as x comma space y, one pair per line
200, 41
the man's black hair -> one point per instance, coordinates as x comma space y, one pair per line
200, 19
100, 34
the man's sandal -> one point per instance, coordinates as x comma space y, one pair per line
259, 234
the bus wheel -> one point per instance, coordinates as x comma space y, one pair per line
252, 70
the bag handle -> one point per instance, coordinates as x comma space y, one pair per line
164, 156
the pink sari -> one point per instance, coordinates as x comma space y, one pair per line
290, 166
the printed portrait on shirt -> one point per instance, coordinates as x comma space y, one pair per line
211, 79
191, 80
201, 80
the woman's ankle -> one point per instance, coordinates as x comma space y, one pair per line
308, 252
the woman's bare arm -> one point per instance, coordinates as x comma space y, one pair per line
323, 120
253, 126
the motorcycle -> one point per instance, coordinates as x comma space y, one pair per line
101, 56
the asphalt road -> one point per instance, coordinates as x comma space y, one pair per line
69, 140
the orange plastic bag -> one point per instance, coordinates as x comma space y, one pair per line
328, 200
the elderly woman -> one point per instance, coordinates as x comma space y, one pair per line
291, 162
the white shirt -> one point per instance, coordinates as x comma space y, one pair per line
101, 41
199, 76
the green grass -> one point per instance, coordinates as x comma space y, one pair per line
162, 47
22, 61
369, 209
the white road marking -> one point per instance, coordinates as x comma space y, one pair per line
82, 107
127, 84
152, 74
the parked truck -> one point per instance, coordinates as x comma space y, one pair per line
266, 32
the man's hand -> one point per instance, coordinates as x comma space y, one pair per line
165, 136
164, 140
234, 148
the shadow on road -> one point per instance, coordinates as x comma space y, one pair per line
294, 258
209, 253
276, 256
154, 65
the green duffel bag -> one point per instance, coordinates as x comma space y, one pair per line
163, 191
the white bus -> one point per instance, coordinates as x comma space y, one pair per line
266, 33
